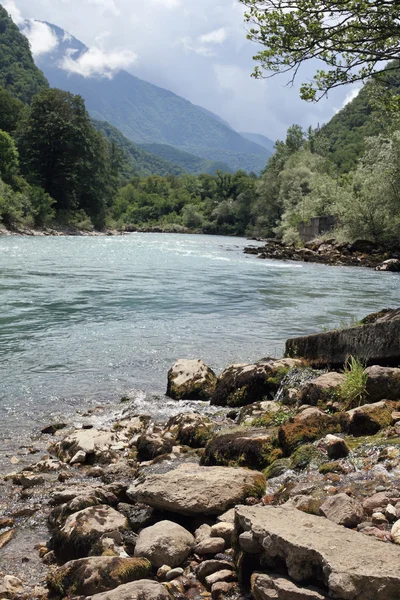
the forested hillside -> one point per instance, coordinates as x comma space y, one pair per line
18, 73
191, 163
363, 117
145, 113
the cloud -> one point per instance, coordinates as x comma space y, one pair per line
41, 37
14, 11
218, 36
195, 48
96, 62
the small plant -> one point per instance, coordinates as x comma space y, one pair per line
354, 390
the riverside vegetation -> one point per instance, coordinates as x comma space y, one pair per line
59, 168
277, 479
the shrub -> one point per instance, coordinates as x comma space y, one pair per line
353, 390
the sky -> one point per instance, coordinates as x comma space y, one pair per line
195, 48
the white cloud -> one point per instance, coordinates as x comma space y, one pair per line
353, 93
41, 38
218, 36
167, 3
14, 11
97, 62
106, 6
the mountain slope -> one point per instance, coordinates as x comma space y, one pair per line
191, 163
347, 130
146, 113
18, 72
136, 161
262, 140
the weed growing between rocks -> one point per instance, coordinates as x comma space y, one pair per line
354, 389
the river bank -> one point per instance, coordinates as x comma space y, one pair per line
328, 252
128, 506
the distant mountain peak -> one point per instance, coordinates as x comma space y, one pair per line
143, 112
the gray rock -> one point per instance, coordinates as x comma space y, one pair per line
96, 574
92, 442
274, 587
210, 546
375, 502
191, 380
84, 528
203, 532
225, 531
336, 447
321, 388
377, 343
228, 517
249, 543
191, 489
150, 445
225, 575
174, 573
383, 383
343, 510
221, 590
208, 567
138, 590
165, 543
349, 565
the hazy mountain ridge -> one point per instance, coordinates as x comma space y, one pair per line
145, 113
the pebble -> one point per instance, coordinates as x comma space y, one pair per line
174, 573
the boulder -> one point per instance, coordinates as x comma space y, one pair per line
150, 445
164, 543
343, 562
369, 418
191, 489
241, 447
138, 590
276, 587
96, 574
336, 447
240, 385
392, 265
383, 383
322, 389
310, 425
260, 412
343, 510
84, 528
376, 344
191, 429
95, 444
191, 380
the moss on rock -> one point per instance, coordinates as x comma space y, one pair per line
304, 456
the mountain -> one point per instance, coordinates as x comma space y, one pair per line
261, 140
136, 160
191, 163
146, 113
18, 72
347, 130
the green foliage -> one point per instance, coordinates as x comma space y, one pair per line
343, 35
9, 160
62, 153
188, 162
10, 111
353, 391
18, 73
136, 160
218, 204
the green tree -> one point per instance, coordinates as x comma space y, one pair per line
353, 38
9, 160
18, 72
10, 111
62, 153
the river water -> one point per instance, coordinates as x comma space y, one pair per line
84, 320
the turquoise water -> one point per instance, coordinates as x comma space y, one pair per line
85, 320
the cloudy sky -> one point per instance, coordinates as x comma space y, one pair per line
195, 48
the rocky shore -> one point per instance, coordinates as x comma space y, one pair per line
289, 488
361, 253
